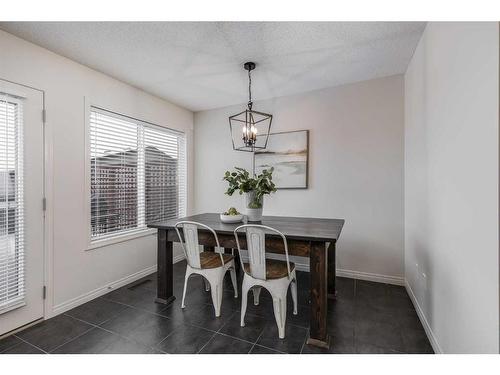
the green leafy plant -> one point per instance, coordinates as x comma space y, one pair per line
231, 212
260, 185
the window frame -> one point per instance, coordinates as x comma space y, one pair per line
122, 236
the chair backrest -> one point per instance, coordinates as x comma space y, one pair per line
256, 247
191, 245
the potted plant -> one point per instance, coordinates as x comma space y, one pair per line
254, 188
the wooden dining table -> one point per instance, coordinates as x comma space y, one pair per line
314, 238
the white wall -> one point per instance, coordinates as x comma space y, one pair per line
74, 272
451, 185
356, 168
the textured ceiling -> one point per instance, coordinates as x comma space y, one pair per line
198, 65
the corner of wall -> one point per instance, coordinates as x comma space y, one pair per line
428, 330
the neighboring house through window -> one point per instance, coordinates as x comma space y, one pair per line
137, 174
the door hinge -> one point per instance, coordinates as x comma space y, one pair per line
44, 292
44, 116
44, 204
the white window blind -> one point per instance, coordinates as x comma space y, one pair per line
11, 204
138, 174
165, 174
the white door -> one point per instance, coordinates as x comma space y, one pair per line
21, 206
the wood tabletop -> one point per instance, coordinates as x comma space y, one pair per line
301, 228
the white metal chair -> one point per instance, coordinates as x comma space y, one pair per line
211, 265
273, 275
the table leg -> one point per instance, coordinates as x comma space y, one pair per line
165, 272
332, 270
318, 335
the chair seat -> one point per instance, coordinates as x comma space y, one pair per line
275, 269
210, 259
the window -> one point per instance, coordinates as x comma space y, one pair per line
137, 174
11, 204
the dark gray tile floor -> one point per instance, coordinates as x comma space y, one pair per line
366, 317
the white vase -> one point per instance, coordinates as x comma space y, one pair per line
253, 212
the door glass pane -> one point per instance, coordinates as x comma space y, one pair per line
11, 205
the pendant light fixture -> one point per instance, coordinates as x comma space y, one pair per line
250, 128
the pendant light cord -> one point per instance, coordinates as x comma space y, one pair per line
249, 90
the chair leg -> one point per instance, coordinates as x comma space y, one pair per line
232, 271
186, 277
279, 305
244, 297
216, 290
256, 294
293, 286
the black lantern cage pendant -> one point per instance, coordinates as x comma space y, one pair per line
250, 129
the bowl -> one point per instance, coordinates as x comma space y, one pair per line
231, 218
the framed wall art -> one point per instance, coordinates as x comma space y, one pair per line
288, 153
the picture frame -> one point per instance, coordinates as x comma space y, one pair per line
288, 153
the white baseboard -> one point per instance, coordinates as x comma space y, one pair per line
375, 277
395, 280
77, 301
86, 297
430, 334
